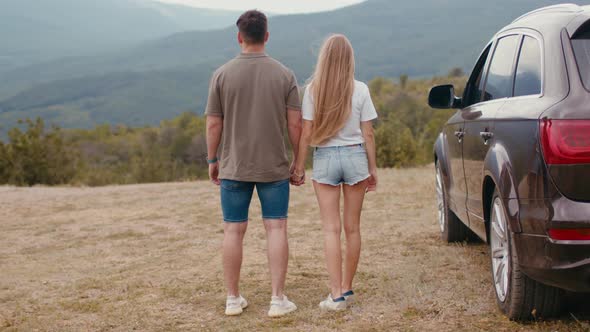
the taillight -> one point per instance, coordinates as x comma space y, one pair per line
565, 142
570, 234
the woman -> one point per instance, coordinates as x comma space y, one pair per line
337, 114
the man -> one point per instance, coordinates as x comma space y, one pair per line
252, 99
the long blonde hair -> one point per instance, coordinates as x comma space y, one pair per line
332, 86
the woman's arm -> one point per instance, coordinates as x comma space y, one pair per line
369, 136
302, 153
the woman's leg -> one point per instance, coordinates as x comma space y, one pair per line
329, 201
353, 204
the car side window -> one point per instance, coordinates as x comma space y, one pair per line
528, 70
499, 80
474, 88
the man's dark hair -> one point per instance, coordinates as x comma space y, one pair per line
253, 26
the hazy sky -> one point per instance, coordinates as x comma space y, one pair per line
275, 6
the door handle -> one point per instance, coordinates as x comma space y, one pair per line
460, 134
486, 136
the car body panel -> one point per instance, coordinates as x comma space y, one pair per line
497, 166
457, 188
559, 265
479, 118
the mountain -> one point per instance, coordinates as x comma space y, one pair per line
39, 30
161, 78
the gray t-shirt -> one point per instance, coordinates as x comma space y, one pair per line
252, 93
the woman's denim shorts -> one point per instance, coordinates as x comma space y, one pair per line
340, 164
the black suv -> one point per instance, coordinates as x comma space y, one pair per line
513, 163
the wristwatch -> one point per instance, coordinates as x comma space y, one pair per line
212, 161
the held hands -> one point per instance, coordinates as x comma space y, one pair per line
297, 175
372, 181
298, 178
214, 173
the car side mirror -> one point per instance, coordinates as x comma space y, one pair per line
443, 97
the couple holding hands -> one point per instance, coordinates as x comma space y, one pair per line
253, 104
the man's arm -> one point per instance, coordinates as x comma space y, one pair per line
294, 128
214, 131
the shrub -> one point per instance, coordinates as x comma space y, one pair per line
37, 156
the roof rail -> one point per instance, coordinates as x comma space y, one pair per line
561, 7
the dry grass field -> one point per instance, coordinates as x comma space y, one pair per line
147, 258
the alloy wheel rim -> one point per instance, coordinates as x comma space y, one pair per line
499, 250
440, 200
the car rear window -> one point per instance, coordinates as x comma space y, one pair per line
581, 46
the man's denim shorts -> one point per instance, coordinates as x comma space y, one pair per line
237, 195
340, 164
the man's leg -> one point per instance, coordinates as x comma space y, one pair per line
274, 198
232, 255
235, 202
278, 253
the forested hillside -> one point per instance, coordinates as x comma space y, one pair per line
33, 31
163, 78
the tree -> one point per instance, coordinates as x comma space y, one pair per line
61, 159
456, 72
4, 163
38, 157
403, 81
396, 147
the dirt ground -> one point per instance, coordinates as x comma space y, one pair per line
147, 257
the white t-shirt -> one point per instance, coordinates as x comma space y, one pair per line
362, 110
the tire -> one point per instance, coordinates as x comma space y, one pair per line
452, 229
520, 298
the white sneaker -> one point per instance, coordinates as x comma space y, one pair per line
349, 297
331, 305
235, 305
280, 307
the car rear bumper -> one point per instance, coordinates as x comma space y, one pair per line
562, 265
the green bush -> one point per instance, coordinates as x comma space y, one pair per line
396, 146
407, 128
4, 163
37, 156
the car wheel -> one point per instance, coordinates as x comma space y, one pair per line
451, 228
518, 296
